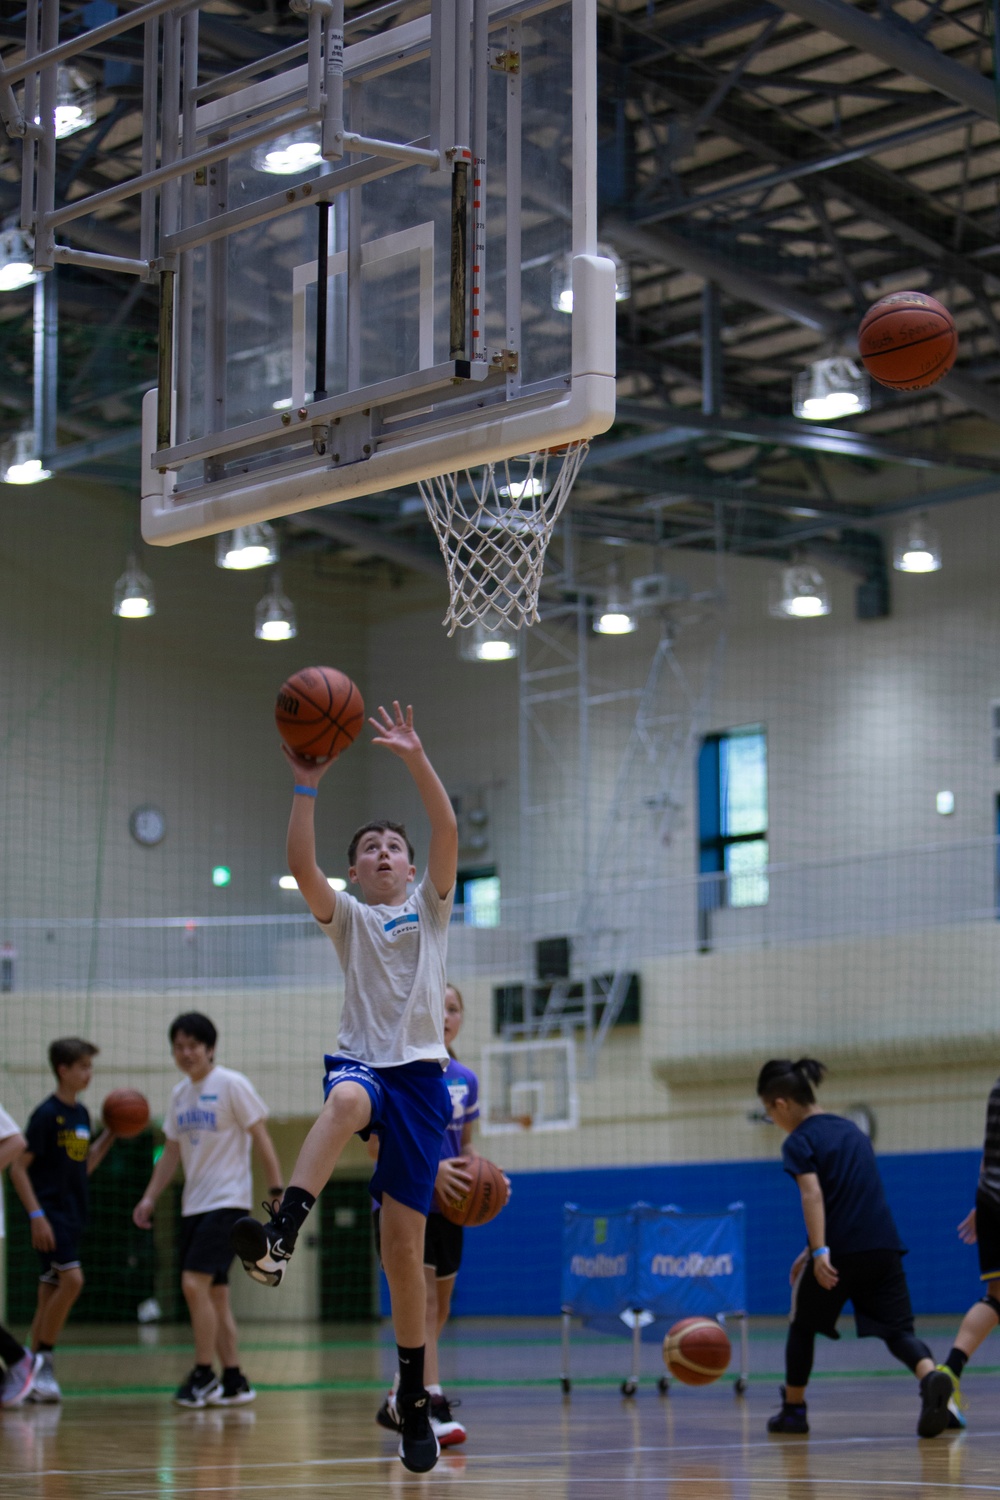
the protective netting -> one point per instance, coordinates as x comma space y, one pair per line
493, 524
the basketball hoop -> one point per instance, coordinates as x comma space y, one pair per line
493, 525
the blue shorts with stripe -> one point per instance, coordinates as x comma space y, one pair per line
411, 1107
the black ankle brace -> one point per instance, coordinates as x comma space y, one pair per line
994, 1304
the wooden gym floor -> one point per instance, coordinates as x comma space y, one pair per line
311, 1431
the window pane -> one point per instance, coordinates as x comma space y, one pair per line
746, 865
482, 901
743, 778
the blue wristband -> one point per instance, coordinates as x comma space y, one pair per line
823, 1250
305, 791
37, 1213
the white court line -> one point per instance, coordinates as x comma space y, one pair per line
560, 1454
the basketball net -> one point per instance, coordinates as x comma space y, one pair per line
493, 524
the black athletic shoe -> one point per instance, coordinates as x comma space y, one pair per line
791, 1418
234, 1391
264, 1249
197, 1389
448, 1432
418, 1447
387, 1416
936, 1390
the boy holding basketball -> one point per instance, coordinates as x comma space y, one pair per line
51, 1178
854, 1251
213, 1117
387, 1076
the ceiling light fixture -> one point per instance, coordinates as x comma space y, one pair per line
562, 279
76, 102
252, 546
274, 617
801, 594
20, 462
295, 152
480, 643
17, 260
615, 618
831, 388
916, 548
134, 598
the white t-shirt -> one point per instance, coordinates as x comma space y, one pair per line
393, 958
211, 1120
8, 1127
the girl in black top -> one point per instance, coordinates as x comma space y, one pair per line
853, 1253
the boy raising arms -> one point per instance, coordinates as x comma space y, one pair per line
387, 1077
51, 1178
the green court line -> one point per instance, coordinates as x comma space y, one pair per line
536, 1382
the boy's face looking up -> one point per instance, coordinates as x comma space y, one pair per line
192, 1057
382, 867
74, 1077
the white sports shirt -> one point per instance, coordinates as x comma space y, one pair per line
393, 958
211, 1120
8, 1127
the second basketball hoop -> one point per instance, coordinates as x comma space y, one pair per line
493, 524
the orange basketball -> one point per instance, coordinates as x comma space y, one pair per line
697, 1351
319, 712
907, 341
484, 1200
126, 1112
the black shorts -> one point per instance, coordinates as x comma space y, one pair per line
205, 1243
872, 1280
66, 1255
442, 1244
988, 1236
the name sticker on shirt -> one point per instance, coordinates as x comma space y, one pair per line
401, 925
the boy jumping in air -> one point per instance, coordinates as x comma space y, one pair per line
387, 1076
854, 1251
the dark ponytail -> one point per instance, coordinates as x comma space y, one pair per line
781, 1079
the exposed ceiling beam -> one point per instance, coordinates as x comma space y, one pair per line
347, 529
901, 47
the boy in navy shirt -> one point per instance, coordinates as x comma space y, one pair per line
51, 1178
854, 1251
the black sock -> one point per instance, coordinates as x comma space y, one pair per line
295, 1205
10, 1350
45, 1348
956, 1362
203, 1369
411, 1370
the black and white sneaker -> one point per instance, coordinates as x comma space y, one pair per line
198, 1389
264, 1249
234, 1391
448, 1432
792, 1417
387, 1416
418, 1447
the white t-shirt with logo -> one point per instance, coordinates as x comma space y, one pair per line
393, 959
8, 1127
211, 1120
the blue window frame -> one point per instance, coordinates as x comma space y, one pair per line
732, 817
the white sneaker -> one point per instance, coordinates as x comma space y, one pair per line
18, 1381
45, 1387
443, 1425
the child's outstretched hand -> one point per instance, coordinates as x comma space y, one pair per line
397, 734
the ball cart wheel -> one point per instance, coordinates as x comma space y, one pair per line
663, 1386
567, 1385
629, 1387
740, 1386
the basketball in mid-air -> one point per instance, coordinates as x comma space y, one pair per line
319, 712
907, 341
697, 1351
484, 1200
126, 1112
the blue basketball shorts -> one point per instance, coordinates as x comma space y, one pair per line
411, 1107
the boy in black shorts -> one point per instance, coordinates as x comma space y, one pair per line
854, 1251
213, 1117
51, 1179
980, 1227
